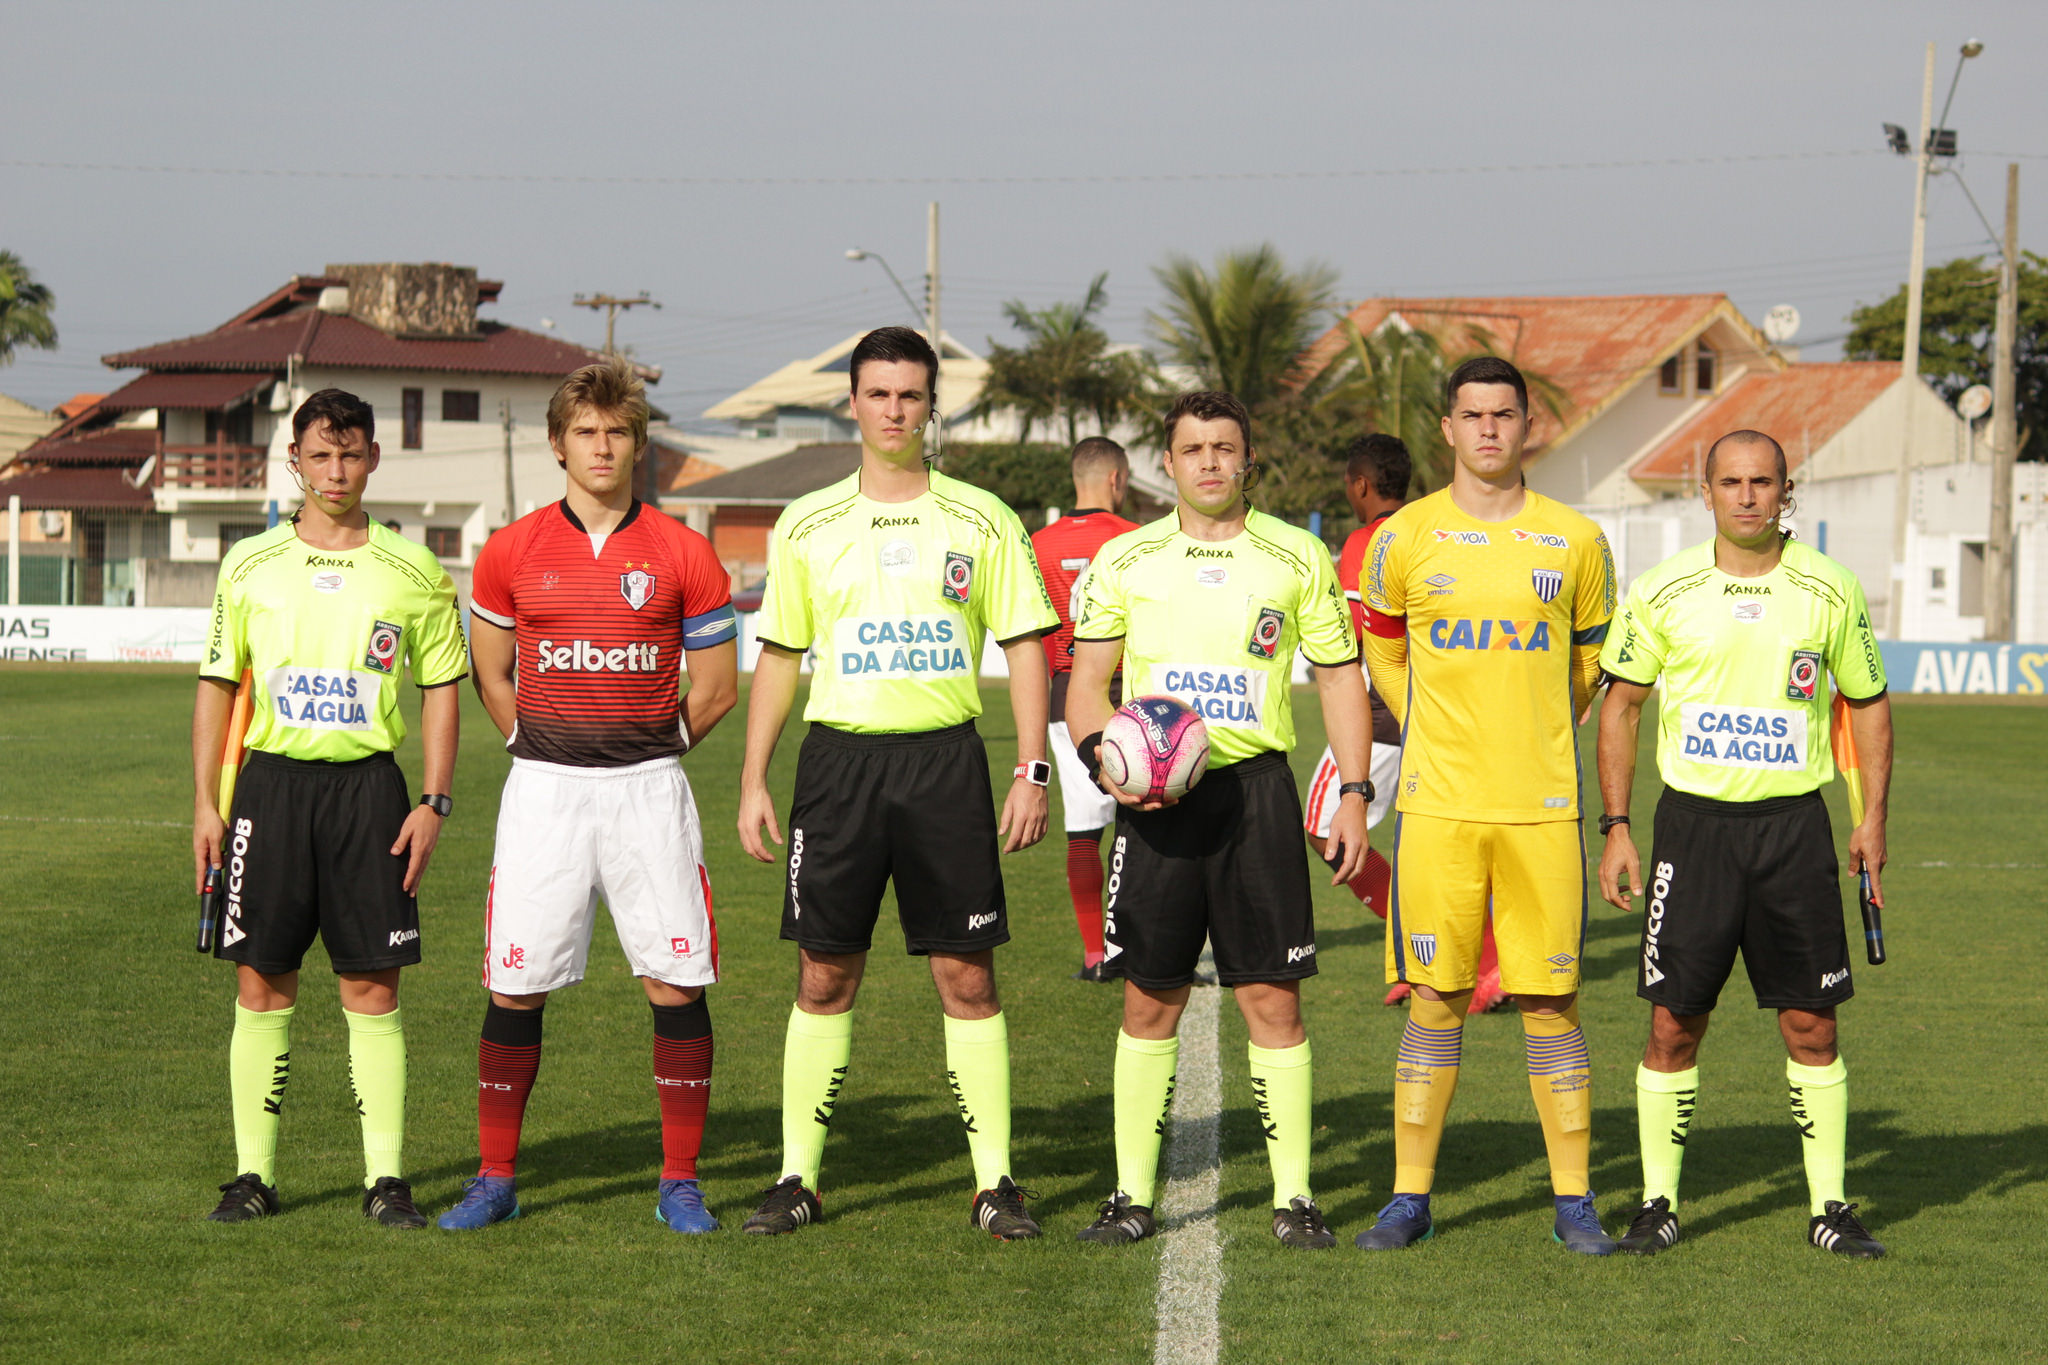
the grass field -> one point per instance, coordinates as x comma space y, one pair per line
113, 1114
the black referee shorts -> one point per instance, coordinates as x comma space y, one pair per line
911, 808
1759, 877
308, 852
1224, 864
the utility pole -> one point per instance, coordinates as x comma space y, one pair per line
1909, 369
505, 416
931, 316
2005, 424
613, 306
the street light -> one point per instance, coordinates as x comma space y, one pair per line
854, 253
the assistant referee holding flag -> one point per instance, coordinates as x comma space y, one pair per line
325, 610
1739, 632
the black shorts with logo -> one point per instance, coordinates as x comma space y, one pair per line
910, 808
1224, 864
1755, 876
308, 851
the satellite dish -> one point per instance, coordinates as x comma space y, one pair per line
1974, 402
1781, 324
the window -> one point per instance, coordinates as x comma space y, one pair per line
232, 531
1669, 379
236, 428
461, 405
445, 541
412, 412
1705, 363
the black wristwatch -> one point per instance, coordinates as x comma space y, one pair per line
1363, 789
442, 805
1608, 822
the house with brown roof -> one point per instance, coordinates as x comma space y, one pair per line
200, 437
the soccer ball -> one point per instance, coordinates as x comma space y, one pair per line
1155, 747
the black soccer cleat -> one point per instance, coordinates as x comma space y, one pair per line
1000, 1212
1300, 1226
785, 1207
1119, 1222
389, 1202
244, 1199
1655, 1228
1839, 1230
1106, 970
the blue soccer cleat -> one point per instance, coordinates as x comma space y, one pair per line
1402, 1223
486, 1199
1578, 1226
682, 1207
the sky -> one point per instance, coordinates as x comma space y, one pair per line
163, 166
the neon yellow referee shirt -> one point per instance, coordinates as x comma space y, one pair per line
897, 597
326, 633
1216, 623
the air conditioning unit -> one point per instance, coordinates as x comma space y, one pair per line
51, 524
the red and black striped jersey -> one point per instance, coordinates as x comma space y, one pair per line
1064, 551
601, 623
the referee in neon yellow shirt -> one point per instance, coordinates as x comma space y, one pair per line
1740, 633
325, 610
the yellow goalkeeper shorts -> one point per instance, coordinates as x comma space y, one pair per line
1447, 872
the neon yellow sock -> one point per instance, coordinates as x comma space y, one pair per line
1144, 1089
978, 1069
259, 1065
1282, 1091
1425, 1079
1820, 1106
815, 1055
1561, 1081
376, 1068
1664, 1107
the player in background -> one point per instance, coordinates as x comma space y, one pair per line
896, 574
1738, 632
584, 617
325, 609
1486, 606
1210, 604
1101, 474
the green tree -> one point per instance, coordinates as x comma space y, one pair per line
1029, 476
1958, 322
24, 309
1241, 326
1065, 370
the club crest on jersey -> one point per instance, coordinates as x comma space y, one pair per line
1265, 641
1547, 582
382, 655
958, 580
637, 587
1423, 946
1804, 676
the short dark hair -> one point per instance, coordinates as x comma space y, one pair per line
1382, 460
1745, 437
1094, 452
1209, 405
1486, 369
895, 343
339, 410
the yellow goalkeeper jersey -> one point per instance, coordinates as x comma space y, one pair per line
1492, 613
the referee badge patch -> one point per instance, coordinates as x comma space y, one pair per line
958, 581
382, 655
637, 587
1548, 582
1804, 676
1265, 641
1423, 946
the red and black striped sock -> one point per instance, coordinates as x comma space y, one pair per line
682, 1076
507, 1060
1084, 884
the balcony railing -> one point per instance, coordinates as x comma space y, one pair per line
218, 464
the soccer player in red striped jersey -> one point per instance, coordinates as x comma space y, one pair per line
585, 615
1102, 472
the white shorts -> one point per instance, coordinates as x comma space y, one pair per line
1085, 804
569, 835
1322, 789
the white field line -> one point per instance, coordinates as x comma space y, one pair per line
1191, 1250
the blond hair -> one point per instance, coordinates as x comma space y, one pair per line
612, 386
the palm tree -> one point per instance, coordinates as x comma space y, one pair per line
1241, 326
1065, 368
24, 309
